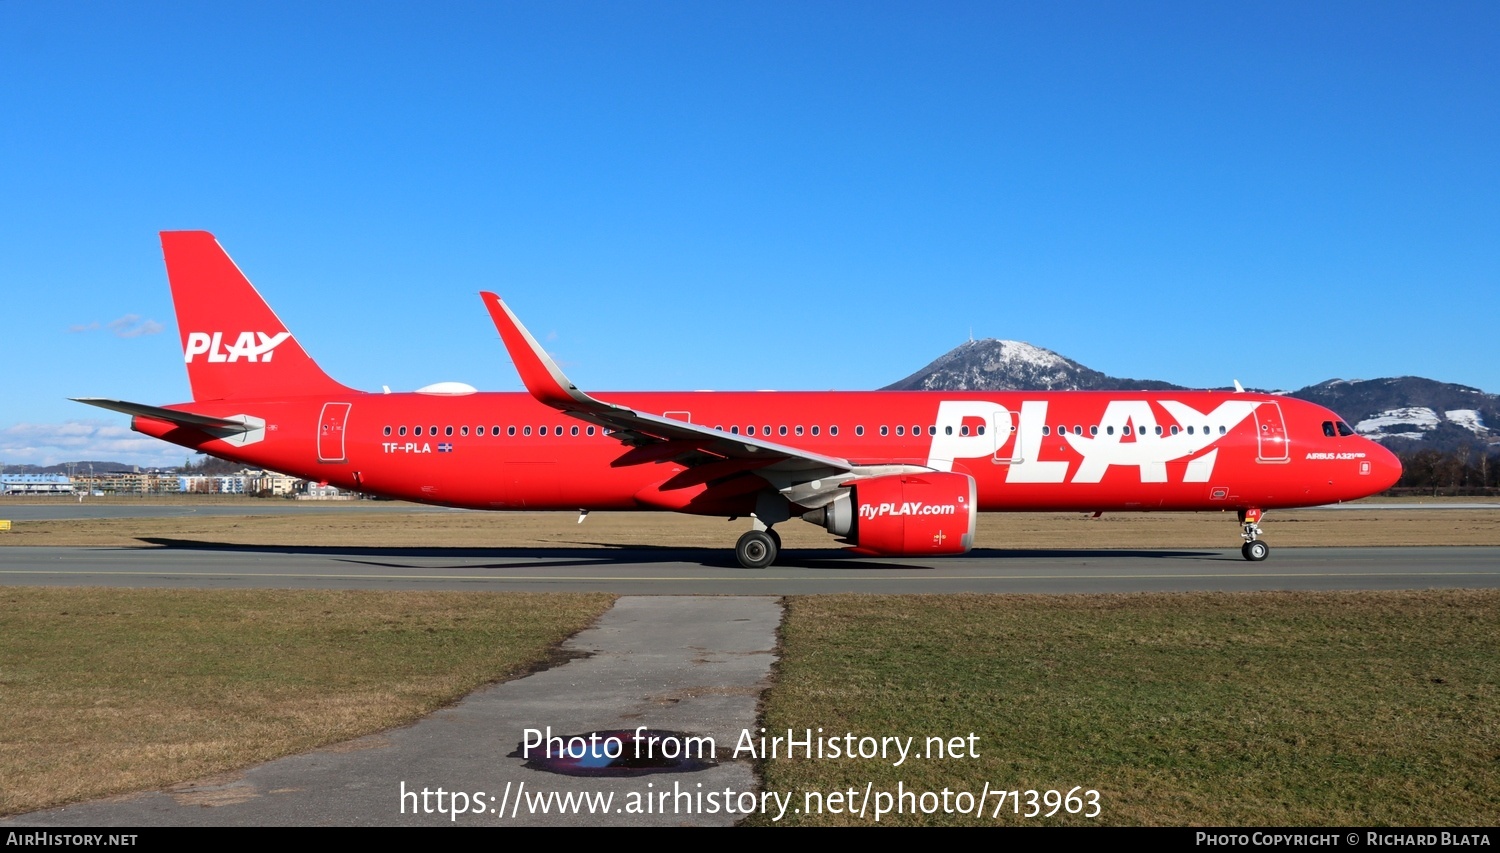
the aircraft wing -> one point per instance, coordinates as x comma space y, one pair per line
654, 437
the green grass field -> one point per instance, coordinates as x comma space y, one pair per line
1217, 709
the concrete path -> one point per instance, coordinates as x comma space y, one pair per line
689, 664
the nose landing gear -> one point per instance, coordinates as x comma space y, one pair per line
1253, 550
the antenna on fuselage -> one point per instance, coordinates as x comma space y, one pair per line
1238, 388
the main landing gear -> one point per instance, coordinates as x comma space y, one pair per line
1253, 550
758, 548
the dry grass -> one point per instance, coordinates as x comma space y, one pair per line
1378, 708
353, 527
111, 690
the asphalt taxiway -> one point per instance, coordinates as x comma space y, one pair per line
707, 571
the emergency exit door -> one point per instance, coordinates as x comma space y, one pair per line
331, 432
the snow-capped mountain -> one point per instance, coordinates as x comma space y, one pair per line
1409, 412
992, 365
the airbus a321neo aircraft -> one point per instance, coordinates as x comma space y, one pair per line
889, 472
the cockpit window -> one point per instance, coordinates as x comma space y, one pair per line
1328, 429
1344, 429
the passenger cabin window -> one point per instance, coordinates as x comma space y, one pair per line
833, 430
591, 430
859, 430
799, 429
510, 430
1046, 430
526, 430
900, 430
815, 430
885, 430
463, 430
400, 430
781, 430
387, 430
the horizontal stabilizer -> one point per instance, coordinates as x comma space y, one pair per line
186, 419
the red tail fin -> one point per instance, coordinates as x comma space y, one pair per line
232, 341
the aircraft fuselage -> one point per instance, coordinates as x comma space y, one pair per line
1089, 451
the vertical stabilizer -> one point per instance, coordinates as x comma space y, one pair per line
232, 342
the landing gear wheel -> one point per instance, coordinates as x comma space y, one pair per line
775, 537
1255, 551
756, 549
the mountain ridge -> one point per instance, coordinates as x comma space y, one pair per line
1403, 412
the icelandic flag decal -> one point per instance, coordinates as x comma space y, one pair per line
445, 447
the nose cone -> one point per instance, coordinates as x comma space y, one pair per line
1385, 468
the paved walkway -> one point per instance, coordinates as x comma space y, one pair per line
690, 664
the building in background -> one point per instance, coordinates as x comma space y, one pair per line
36, 484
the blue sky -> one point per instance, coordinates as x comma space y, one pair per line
748, 195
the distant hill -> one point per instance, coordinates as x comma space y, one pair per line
991, 365
98, 466
1411, 413
1405, 413
203, 464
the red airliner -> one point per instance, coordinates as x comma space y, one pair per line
895, 473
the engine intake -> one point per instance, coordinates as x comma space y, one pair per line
904, 515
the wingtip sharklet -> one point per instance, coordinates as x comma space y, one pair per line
539, 373
549, 386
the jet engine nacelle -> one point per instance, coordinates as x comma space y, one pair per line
904, 515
